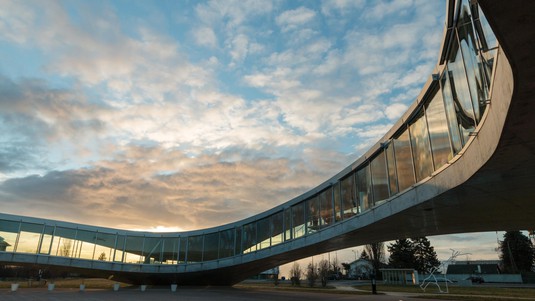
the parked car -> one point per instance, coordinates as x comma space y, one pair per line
476, 279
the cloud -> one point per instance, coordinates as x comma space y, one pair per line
133, 193
293, 19
205, 36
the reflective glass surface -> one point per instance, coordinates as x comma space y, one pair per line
133, 249
277, 228
298, 220
405, 171
263, 233
9, 230
104, 246
226, 243
438, 131
461, 93
313, 214
170, 250
152, 250
211, 246
451, 115
364, 193
337, 202
195, 244
29, 238
249, 237
326, 207
392, 175
288, 224
348, 194
423, 164
379, 178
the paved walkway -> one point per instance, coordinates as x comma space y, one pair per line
186, 294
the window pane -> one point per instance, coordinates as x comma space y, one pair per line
263, 234
9, 231
133, 250
29, 237
337, 202
226, 243
182, 248
276, 228
392, 176
63, 242
46, 242
104, 246
119, 249
364, 187
152, 250
379, 178
84, 246
438, 131
170, 250
404, 166
421, 148
238, 246
474, 69
298, 220
249, 237
195, 248
348, 194
288, 224
461, 93
326, 206
451, 115
211, 246
313, 214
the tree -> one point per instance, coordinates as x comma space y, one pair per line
323, 272
347, 268
364, 255
102, 256
295, 274
312, 274
376, 253
425, 256
402, 254
517, 252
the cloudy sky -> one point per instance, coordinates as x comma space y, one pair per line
191, 114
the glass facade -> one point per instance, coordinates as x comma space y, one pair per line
439, 128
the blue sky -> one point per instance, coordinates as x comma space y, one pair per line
191, 114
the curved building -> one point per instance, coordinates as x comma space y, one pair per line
461, 159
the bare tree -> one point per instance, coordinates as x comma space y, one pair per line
312, 274
295, 274
323, 272
376, 253
65, 249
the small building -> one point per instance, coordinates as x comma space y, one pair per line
360, 269
400, 276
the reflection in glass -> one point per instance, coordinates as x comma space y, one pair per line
119, 249
182, 249
9, 231
29, 237
276, 228
326, 207
133, 249
379, 178
298, 219
249, 237
104, 246
85, 244
211, 246
313, 214
474, 69
451, 115
337, 202
195, 248
170, 250
63, 242
263, 233
288, 224
152, 250
438, 131
238, 248
348, 194
460, 93
392, 175
46, 240
226, 243
404, 166
364, 187
423, 164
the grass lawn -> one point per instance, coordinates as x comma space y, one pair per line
90, 283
